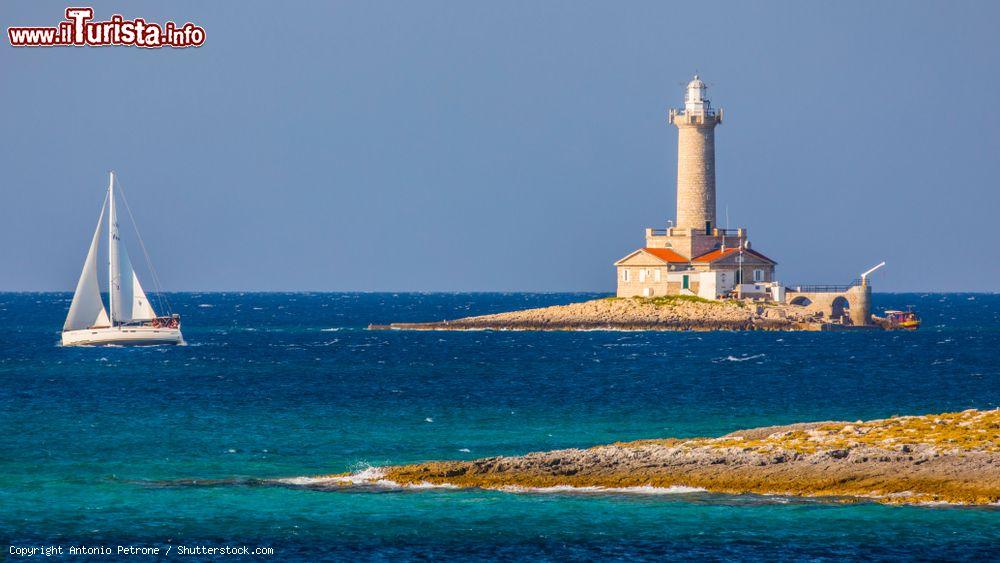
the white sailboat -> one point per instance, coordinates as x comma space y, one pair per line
130, 318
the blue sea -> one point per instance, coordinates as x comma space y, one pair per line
173, 447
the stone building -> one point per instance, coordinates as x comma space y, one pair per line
694, 256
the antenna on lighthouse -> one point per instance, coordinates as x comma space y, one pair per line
726, 233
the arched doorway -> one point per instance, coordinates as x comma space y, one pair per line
840, 309
801, 301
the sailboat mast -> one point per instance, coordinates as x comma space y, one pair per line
112, 247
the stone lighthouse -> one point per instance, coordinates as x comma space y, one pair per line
694, 256
696, 158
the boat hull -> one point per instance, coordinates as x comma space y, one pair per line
122, 336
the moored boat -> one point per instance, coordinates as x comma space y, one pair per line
905, 320
129, 318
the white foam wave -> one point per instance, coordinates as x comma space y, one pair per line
743, 359
639, 490
426, 485
375, 477
368, 477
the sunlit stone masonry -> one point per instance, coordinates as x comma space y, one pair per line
693, 256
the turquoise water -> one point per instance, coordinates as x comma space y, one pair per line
169, 446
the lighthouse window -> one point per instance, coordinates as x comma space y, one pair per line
758, 275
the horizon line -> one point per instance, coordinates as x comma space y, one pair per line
446, 292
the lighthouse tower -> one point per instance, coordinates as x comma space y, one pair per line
696, 159
695, 232
693, 256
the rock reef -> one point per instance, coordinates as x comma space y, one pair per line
658, 313
950, 458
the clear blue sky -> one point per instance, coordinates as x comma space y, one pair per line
467, 146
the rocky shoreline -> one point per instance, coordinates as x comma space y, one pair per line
660, 313
944, 458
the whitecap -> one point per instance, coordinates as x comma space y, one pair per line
637, 490
310, 481
426, 485
372, 476
743, 359
369, 477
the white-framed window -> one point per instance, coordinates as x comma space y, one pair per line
624, 274
758, 275
656, 275
642, 275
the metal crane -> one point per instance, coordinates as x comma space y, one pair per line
864, 276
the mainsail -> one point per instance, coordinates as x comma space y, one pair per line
87, 309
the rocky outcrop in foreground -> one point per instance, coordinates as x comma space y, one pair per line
953, 458
659, 313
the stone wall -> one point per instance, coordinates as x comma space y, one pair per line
695, 171
857, 300
749, 264
642, 285
670, 282
691, 243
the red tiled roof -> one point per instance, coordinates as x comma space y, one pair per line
719, 254
666, 255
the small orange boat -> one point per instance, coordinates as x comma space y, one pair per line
906, 320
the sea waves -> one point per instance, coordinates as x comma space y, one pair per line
374, 478
368, 478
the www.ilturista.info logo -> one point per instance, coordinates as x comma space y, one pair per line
78, 30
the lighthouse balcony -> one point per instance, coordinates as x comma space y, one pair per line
691, 242
680, 231
707, 116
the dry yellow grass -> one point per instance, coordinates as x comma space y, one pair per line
969, 430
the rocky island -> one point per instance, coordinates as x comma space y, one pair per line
671, 312
693, 274
942, 458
